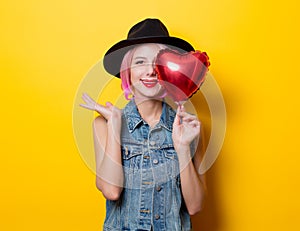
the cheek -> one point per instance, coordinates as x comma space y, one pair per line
135, 74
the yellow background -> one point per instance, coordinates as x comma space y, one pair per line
47, 47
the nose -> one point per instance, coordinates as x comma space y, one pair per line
151, 69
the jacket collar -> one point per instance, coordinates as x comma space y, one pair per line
134, 118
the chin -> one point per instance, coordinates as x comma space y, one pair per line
153, 94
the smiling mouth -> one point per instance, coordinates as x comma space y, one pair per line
149, 82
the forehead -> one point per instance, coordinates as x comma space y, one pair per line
147, 49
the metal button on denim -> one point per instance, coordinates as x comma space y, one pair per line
152, 142
158, 188
157, 216
155, 161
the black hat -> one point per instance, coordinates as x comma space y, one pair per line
146, 31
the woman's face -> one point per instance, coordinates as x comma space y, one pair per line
144, 82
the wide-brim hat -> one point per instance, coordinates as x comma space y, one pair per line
147, 31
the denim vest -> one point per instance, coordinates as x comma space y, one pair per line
151, 198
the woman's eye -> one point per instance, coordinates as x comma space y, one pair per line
139, 62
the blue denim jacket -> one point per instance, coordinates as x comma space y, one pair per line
151, 198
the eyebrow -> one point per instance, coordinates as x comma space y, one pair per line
140, 57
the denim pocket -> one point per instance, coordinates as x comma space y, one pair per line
170, 154
132, 156
171, 161
131, 150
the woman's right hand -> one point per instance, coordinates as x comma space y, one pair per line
109, 111
106, 134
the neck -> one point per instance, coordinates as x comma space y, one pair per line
150, 110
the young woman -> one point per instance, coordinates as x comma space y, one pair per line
147, 155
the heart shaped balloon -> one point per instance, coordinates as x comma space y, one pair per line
181, 74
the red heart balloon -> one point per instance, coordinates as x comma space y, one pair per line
181, 74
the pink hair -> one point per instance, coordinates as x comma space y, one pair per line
125, 73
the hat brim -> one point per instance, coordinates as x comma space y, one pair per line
114, 56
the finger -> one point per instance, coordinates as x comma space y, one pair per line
103, 110
108, 104
181, 108
85, 96
87, 99
195, 123
187, 117
86, 106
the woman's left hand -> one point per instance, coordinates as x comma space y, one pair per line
186, 128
